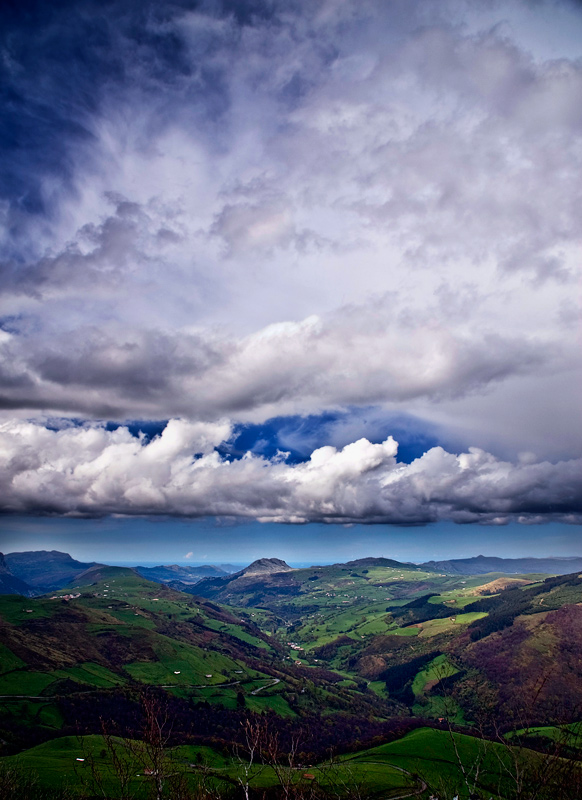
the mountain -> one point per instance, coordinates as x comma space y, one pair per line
265, 575
45, 570
265, 565
10, 584
360, 563
169, 573
209, 581
479, 565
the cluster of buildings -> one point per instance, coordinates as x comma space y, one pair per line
65, 596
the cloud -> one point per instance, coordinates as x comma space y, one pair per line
88, 470
358, 355
255, 209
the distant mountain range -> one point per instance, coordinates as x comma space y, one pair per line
174, 572
37, 572
480, 565
42, 571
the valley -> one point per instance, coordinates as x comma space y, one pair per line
397, 679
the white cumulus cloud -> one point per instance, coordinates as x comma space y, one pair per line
91, 471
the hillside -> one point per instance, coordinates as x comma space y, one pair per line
80, 651
273, 584
372, 646
388, 624
10, 584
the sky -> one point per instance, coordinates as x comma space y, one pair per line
296, 276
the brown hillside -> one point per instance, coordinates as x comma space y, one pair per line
536, 665
499, 585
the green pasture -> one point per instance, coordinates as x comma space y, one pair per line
236, 631
437, 669
338, 779
271, 700
192, 663
436, 756
454, 599
410, 630
345, 601
434, 705
133, 616
435, 626
15, 609
379, 688
22, 682
67, 763
562, 735
57, 765
91, 674
438, 707
8, 660
389, 770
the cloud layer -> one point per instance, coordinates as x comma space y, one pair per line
92, 471
245, 210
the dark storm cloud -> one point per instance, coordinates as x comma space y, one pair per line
148, 373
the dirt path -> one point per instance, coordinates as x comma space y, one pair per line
198, 685
423, 785
274, 682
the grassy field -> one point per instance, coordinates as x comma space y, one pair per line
435, 626
426, 761
9, 661
561, 735
436, 756
435, 671
433, 705
34, 714
58, 764
237, 632
91, 675
338, 601
16, 610
21, 682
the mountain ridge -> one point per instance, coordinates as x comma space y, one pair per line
166, 573
480, 565
45, 570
